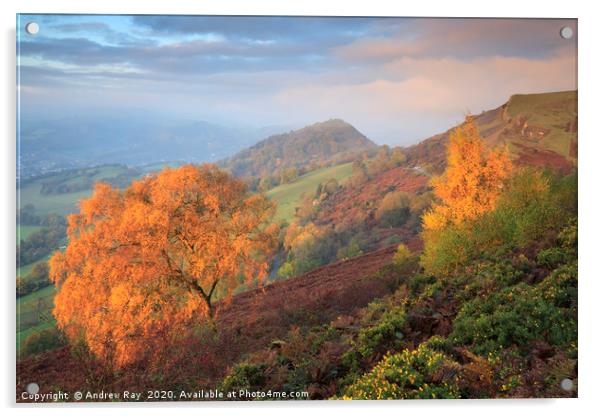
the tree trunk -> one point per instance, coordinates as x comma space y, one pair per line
210, 313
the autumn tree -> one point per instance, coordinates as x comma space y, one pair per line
144, 264
394, 209
472, 181
469, 187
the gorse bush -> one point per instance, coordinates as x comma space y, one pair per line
517, 315
568, 236
560, 287
487, 276
388, 331
551, 257
418, 374
244, 376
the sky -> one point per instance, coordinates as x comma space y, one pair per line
397, 80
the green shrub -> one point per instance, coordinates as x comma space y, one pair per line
551, 257
286, 270
382, 327
44, 340
560, 287
419, 281
402, 255
418, 374
517, 315
568, 236
386, 332
489, 275
352, 249
438, 343
394, 239
452, 248
244, 376
394, 209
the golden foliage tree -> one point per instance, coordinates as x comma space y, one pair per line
470, 187
472, 181
143, 264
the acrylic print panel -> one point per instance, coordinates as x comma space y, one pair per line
295, 208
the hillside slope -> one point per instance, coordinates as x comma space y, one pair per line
253, 319
539, 130
384, 199
313, 146
288, 195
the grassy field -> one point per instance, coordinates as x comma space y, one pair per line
34, 313
288, 196
25, 231
553, 110
62, 203
24, 270
66, 203
154, 167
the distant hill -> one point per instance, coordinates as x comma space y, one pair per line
539, 130
329, 142
132, 139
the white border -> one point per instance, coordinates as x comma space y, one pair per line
590, 154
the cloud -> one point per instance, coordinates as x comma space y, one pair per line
462, 39
430, 94
397, 79
82, 27
192, 56
267, 28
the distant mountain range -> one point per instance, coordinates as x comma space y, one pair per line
319, 144
539, 129
77, 142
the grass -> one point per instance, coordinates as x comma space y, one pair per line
154, 167
34, 313
25, 231
24, 270
288, 196
553, 110
531, 103
62, 203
